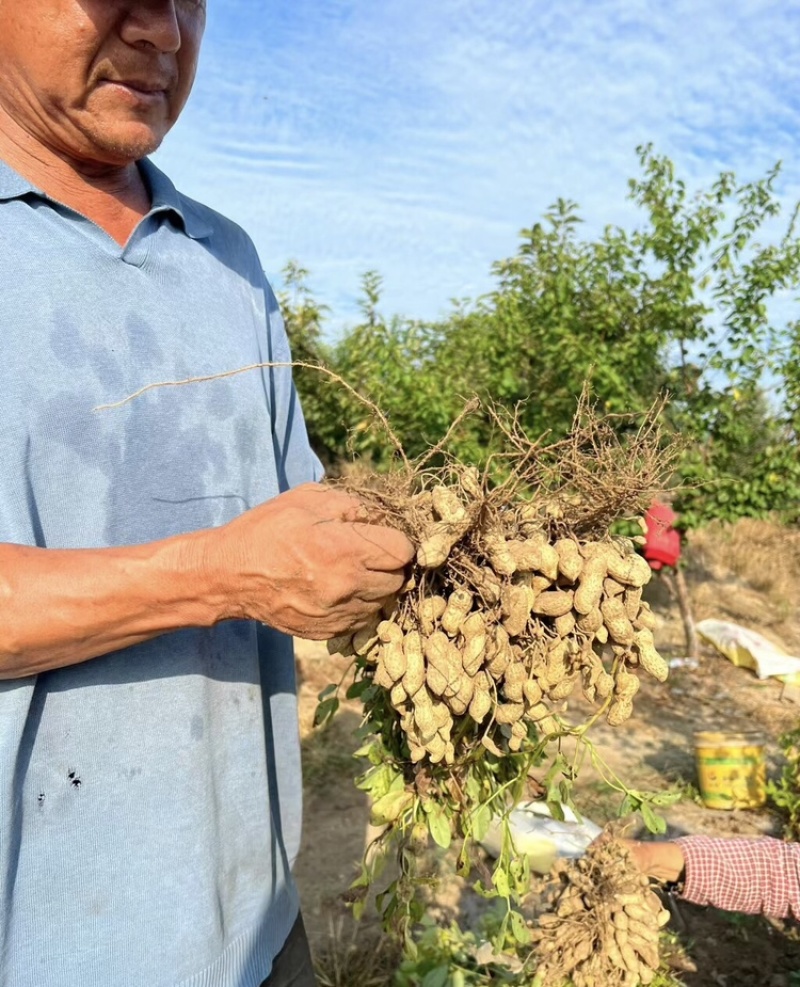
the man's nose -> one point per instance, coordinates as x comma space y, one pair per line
152, 23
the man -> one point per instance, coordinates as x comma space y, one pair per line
153, 558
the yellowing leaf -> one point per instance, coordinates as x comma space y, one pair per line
439, 826
390, 807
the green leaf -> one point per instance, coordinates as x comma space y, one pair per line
329, 690
520, 870
325, 711
377, 781
473, 788
501, 884
565, 792
666, 798
464, 864
655, 823
498, 940
357, 689
397, 783
559, 765
480, 820
519, 930
439, 826
437, 977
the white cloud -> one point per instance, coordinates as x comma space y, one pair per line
417, 138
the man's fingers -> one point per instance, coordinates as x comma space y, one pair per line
382, 549
338, 505
382, 586
328, 503
360, 613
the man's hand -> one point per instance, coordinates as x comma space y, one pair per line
306, 563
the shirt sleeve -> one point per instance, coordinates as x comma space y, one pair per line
742, 875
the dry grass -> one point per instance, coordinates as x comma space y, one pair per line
747, 572
328, 760
356, 959
764, 555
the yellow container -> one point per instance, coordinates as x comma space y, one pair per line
731, 769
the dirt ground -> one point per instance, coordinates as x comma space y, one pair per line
731, 576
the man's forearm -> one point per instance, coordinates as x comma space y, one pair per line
62, 607
304, 562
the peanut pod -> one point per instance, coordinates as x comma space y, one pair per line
458, 606
414, 675
590, 587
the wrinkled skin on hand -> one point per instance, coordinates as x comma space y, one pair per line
307, 563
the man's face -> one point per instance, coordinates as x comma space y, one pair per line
98, 81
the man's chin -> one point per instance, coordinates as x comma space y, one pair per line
121, 146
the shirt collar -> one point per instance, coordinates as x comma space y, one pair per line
164, 196
12, 185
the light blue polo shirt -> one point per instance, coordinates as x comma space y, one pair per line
150, 798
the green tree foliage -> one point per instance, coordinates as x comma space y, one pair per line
684, 304
563, 310
716, 283
322, 403
391, 363
784, 791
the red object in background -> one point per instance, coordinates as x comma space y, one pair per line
662, 543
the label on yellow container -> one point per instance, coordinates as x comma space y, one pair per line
731, 770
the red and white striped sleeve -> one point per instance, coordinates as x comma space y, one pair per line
742, 875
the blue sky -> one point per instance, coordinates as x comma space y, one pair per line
417, 137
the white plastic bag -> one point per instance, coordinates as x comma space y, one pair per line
748, 649
542, 838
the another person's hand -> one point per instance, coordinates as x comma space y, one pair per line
660, 860
306, 563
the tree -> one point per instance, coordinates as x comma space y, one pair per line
683, 303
